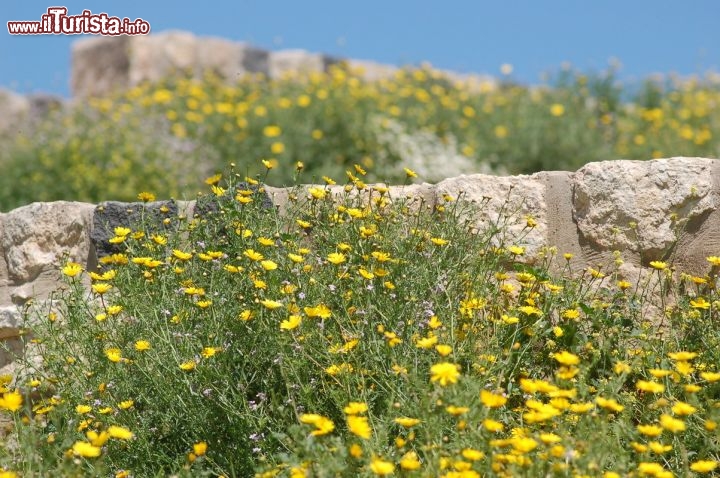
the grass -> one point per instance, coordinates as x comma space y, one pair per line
163, 137
360, 334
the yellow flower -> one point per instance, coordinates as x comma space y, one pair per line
85, 449
443, 349
609, 404
426, 342
445, 373
410, 461
516, 250
323, 425
566, 358
650, 430
571, 314
121, 433
659, 448
651, 469
672, 424
272, 131
277, 147
700, 303
407, 422
208, 352
11, 401
97, 439
212, 180
683, 409
658, 265
253, 255
146, 197
183, 256
317, 193
200, 448
269, 265
456, 411
381, 467
650, 386
355, 450
492, 400
355, 408
72, 269
557, 109
682, 356
291, 323
125, 404
710, 376
410, 173
472, 454
188, 366
493, 425
524, 444
714, 260
113, 354
704, 466
359, 426
271, 304
336, 258
82, 409
321, 310
101, 288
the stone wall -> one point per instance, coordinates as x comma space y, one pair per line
664, 209
103, 64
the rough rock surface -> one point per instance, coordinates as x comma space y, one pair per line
101, 65
37, 237
636, 205
503, 202
286, 62
13, 107
111, 214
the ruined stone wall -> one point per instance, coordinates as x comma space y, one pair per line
664, 209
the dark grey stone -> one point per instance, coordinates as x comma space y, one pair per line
111, 214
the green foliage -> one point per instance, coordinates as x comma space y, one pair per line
164, 137
358, 333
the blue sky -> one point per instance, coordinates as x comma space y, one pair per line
535, 36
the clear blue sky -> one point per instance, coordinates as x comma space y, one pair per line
535, 36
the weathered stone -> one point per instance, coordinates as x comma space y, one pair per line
10, 322
42, 104
155, 57
503, 203
285, 62
4, 274
562, 232
13, 108
111, 214
38, 237
636, 205
208, 205
100, 65
371, 70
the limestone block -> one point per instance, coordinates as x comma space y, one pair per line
503, 202
636, 205
38, 237
293, 61
99, 65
